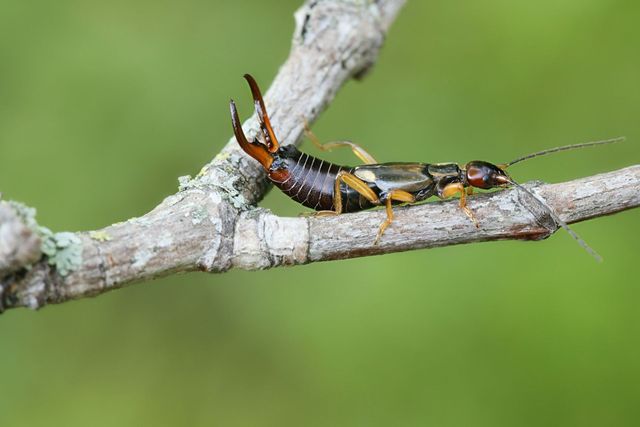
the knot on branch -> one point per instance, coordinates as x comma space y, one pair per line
263, 240
32, 288
19, 241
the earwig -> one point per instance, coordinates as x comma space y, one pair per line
333, 189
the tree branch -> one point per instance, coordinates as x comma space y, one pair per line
19, 244
211, 224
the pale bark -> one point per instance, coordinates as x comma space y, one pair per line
212, 223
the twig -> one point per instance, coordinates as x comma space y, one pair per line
19, 244
212, 224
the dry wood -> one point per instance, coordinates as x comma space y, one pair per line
212, 224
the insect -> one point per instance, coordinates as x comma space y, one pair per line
333, 189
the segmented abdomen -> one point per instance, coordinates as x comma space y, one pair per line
311, 182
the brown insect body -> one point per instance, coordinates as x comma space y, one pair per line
325, 186
310, 181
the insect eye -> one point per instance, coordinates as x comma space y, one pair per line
478, 177
489, 179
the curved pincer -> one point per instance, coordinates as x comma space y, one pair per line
252, 148
261, 111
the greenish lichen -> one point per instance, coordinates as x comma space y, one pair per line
234, 196
198, 215
141, 258
221, 157
26, 214
64, 250
205, 168
140, 220
100, 236
184, 182
227, 185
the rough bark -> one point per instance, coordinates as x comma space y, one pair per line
19, 244
212, 223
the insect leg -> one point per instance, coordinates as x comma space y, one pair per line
357, 184
457, 188
399, 196
360, 152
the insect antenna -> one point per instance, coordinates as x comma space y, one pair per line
564, 148
560, 222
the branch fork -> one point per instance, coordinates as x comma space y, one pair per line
212, 223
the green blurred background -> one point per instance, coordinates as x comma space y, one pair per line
104, 104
